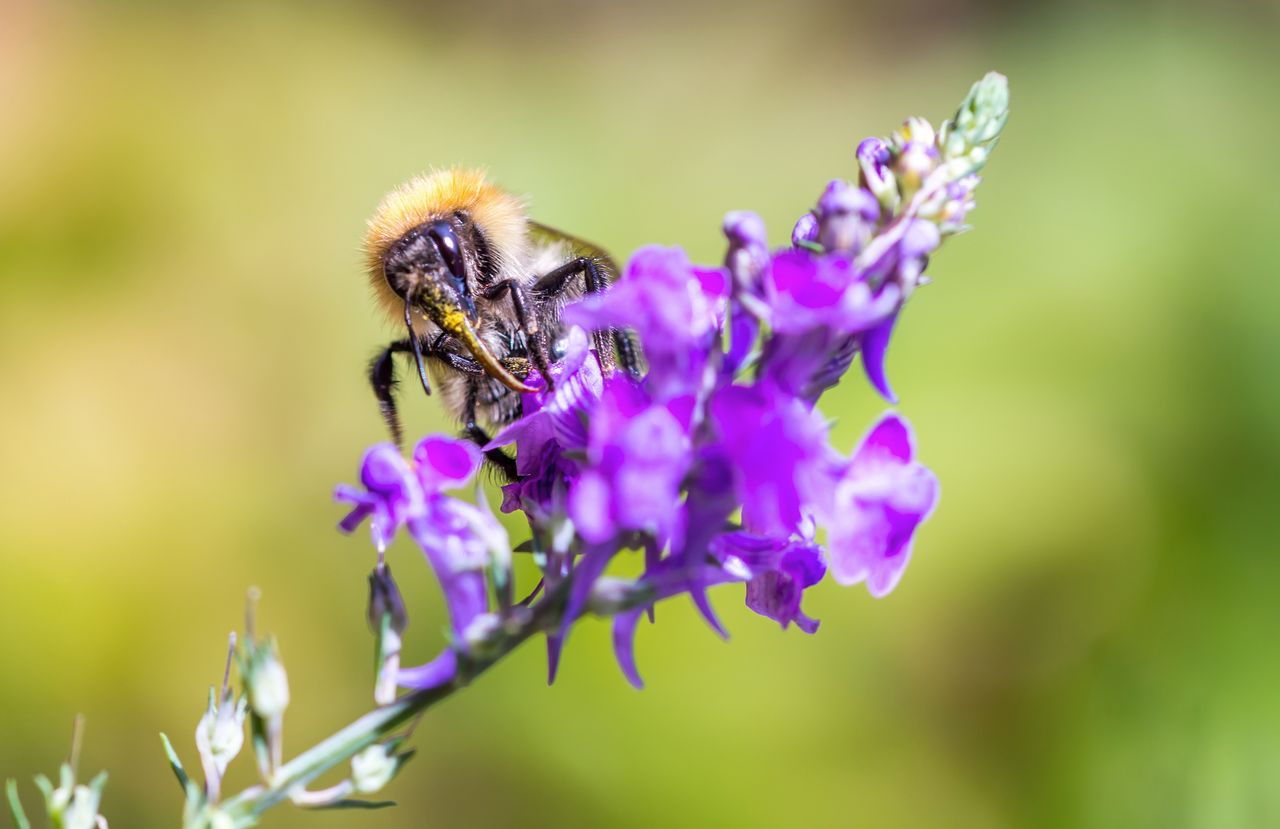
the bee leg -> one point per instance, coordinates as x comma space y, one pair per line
382, 377
528, 324
596, 281
472, 430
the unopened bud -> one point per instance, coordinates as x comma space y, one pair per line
219, 819
873, 162
267, 682
973, 130
805, 231
846, 216
220, 733
373, 768
385, 600
72, 806
748, 253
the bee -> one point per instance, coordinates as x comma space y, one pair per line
478, 288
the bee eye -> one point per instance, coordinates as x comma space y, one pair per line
446, 241
450, 250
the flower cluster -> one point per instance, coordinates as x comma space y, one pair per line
716, 466
68, 805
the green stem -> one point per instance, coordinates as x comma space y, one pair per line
381, 723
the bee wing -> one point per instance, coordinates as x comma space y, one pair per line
545, 234
624, 339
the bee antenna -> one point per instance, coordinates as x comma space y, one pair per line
417, 346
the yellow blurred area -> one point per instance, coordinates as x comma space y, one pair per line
1085, 636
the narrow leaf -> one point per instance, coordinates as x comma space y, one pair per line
355, 804
174, 762
15, 805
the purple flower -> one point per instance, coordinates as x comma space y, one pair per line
819, 307
391, 492
880, 500
783, 467
637, 455
805, 291
676, 308
825, 308
781, 570
458, 539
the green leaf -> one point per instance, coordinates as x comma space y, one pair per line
15, 805
174, 762
97, 784
355, 804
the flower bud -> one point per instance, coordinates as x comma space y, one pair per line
846, 216
977, 123
220, 733
873, 161
805, 231
72, 806
219, 819
748, 253
373, 768
916, 156
385, 600
948, 206
267, 682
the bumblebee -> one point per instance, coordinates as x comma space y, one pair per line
479, 289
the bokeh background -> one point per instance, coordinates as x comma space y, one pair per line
1087, 634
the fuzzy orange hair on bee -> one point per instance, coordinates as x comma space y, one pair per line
477, 288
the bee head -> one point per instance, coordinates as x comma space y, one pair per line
428, 268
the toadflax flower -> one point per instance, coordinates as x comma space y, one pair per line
460, 540
882, 497
716, 466
781, 570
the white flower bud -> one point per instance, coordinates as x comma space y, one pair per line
82, 813
220, 734
373, 768
219, 819
270, 689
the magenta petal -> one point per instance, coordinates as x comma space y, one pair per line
889, 441
445, 462
589, 504
874, 345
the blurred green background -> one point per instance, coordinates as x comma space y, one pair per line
1086, 636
